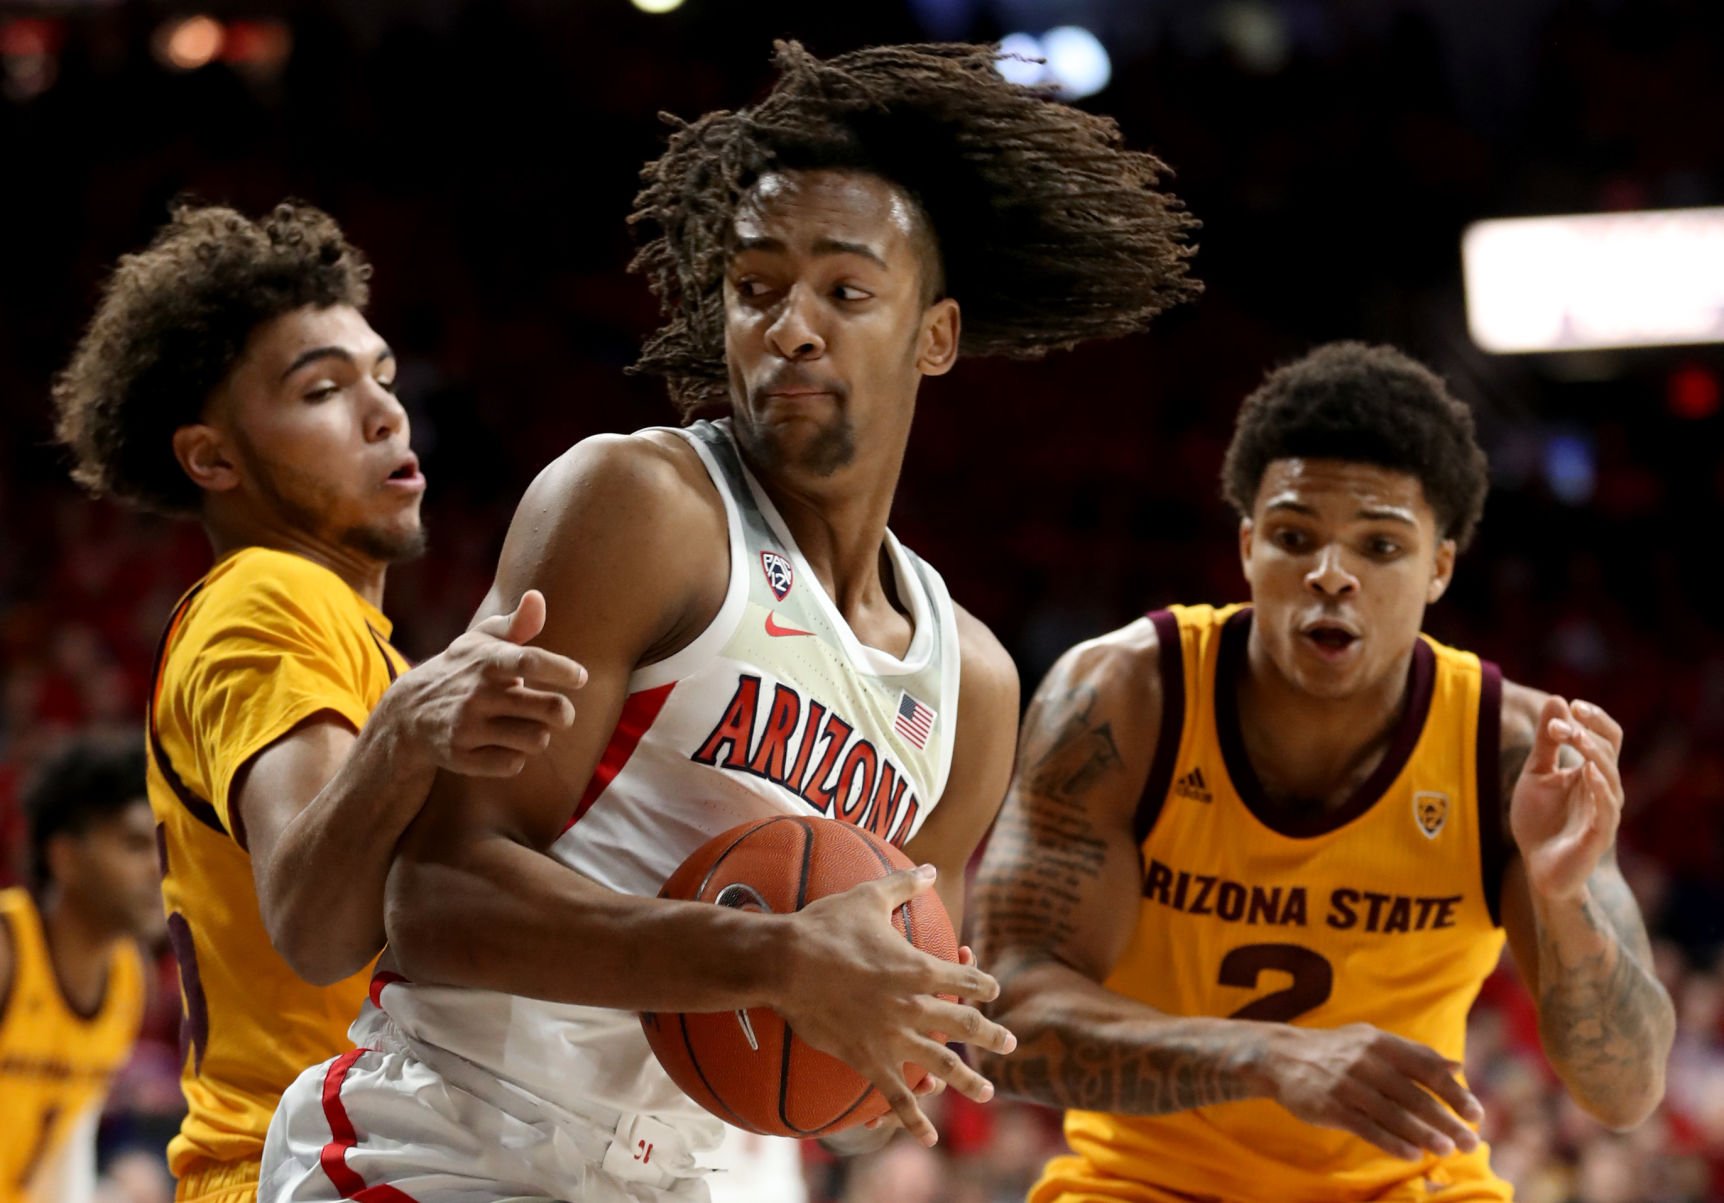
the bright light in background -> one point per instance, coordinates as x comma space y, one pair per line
1077, 60
1025, 47
1646, 279
190, 42
1076, 63
657, 6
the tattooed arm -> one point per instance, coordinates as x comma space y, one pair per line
1577, 935
1057, 902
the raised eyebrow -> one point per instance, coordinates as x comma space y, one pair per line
1297, 507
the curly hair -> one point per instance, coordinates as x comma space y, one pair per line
88, 782
1368, 404
171, 323
1049, 231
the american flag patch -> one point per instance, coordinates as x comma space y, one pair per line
915, 722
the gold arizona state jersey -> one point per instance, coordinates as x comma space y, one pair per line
55, 1062
1383, 912
264, 642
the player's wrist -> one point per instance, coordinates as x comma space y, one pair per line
1553, 896
1270, 1056
396, 724
765, 947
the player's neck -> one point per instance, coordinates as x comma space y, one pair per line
1310, 749
839, 524
80, 949
364, 575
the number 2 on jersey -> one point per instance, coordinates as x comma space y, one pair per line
1313, 980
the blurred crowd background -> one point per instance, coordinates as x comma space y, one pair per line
484, 153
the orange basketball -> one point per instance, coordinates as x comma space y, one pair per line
773, 1083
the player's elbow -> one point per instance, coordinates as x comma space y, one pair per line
315, 953
1622, 1111
1623, 1105
317, 950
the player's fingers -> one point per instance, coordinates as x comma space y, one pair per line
902, 1101
503, 662
513, 734
1436, 1073
496, 626
548, 670
1598, 719
1606, 794
962, 981
1551, 734
943, 1062
895, 889
1599, 753
528, 619
1367, 1128
488, 762
554, 710
1424, 1108
929, 1086
964, 1024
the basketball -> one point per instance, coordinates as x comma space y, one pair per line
748, 1068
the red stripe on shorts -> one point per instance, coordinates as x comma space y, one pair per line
640, 712
333, 1159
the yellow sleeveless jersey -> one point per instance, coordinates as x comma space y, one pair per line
55, 1063
264, 642
1383, 912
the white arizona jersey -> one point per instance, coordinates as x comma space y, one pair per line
776, 708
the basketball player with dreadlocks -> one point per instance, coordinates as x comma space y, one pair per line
1256, 861
751, 629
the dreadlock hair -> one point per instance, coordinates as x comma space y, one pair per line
1367, 404
172, 321
87, 783
1049, 231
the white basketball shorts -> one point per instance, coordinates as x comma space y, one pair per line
382, 1126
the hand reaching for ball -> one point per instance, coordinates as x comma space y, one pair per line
855, 988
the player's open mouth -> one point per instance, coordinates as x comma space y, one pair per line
406, 475
1331, 640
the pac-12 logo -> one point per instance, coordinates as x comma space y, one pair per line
1431, 810
779, 574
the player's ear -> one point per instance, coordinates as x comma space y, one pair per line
61, 853
940, 327
1247, 532
1442, 571
204, 456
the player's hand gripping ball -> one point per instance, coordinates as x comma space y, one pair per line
747, 1067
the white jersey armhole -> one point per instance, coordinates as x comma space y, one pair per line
711, 641
951, 676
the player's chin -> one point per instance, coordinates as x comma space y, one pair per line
391, 541
1328, 679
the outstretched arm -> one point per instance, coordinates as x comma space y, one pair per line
1577, 935
1058, 900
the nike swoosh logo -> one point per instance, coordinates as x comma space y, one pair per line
772, 627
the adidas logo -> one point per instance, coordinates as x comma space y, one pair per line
1193, 786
